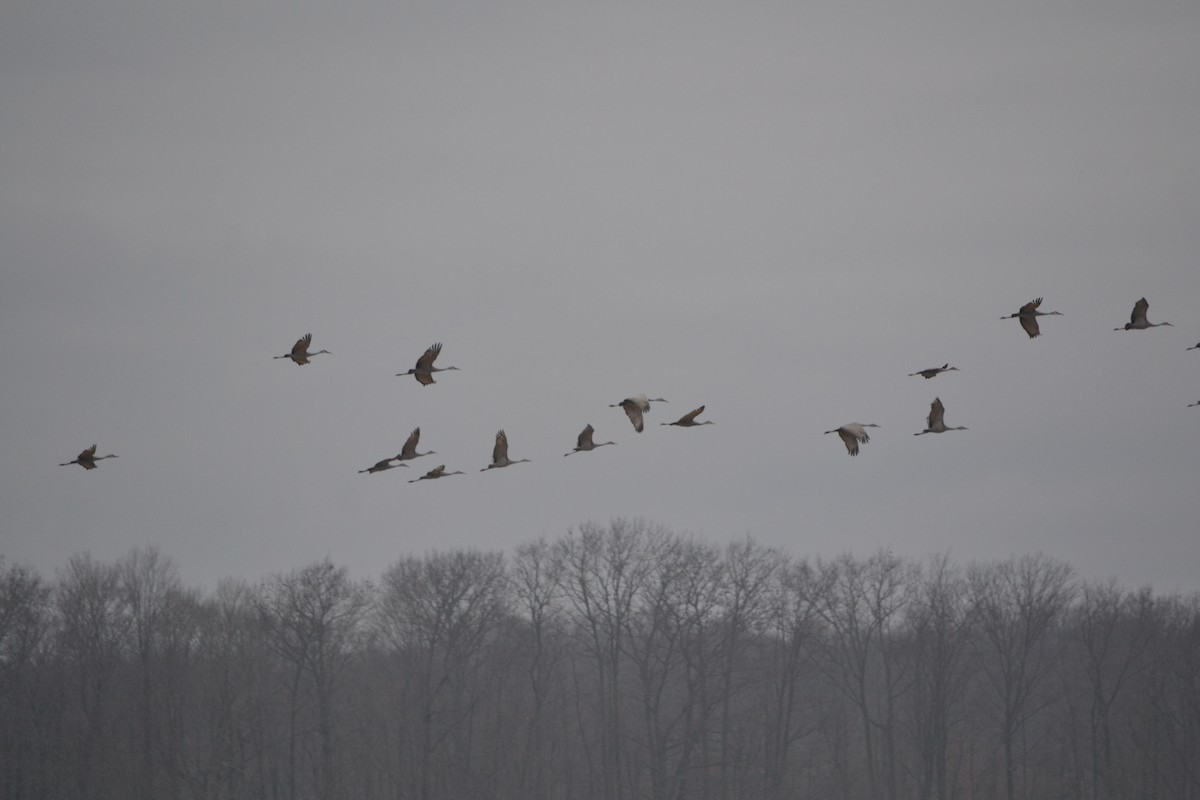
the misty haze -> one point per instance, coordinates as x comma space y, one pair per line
685, 400
625, 661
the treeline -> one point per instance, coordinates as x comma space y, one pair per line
615, 662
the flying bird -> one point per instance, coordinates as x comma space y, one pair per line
931, 372
688, 420
437, 472
409, 451
1028, 316
1196, 347
87, 459
635, 407
584, 442
854, 433
500, 454
935, 422
424, 369
300, 352
380, 466
1137, 320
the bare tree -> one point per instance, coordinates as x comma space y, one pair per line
696, 610
231, 724
312, 615
792, 624
536, 590
1017, 605
747, 570
602, 572
1113, 630
652, 641
147, 581
1165, 726
941, 623
437, 615
863, 602
24, 625
92, 635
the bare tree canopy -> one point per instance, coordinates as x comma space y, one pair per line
619, 662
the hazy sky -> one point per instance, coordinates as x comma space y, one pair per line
777, 209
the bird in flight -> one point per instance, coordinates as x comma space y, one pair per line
853, 434
300, 352
635, 407
380, 466
688, 420
935, 423
87, 459
500, 454
424, 369
437, 472
584, 442
1028, 316
409, 451
1138, 321
932, 371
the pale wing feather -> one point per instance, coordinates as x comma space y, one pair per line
634, 413
585, 438
500, 451
410, 445
1139, 311
936, 412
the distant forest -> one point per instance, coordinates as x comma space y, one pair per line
619, 662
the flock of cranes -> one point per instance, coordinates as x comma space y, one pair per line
852, 434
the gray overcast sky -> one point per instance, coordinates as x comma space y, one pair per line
778, 209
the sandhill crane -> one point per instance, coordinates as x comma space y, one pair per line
409, 451
688, 420
935, 422
500, 454
1137, 320
584, 442
300, 352
853, 433
437, 472
424, 369
1028, 316
635, 407
380, 466
932, 371
87, 459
